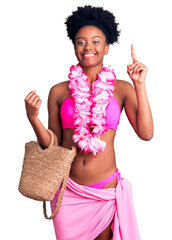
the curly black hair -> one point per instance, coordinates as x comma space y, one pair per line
95, 16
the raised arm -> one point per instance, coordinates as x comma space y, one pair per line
136, 101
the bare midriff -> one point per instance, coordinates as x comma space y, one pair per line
87, 169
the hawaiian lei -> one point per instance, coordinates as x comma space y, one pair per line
90, 110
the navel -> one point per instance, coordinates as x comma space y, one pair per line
84, 162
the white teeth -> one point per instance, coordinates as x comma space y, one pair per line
89, 55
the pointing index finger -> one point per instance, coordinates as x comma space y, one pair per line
133, 54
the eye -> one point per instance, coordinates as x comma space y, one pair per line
96, 41
80, 43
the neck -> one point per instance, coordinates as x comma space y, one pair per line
92, 72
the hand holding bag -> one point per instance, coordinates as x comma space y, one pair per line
44, 171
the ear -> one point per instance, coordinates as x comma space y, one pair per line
106, 49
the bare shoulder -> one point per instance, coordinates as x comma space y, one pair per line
58, 91
123, 87
59, 87
122, 84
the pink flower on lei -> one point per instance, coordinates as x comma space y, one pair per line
90, 110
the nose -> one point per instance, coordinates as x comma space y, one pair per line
88, 46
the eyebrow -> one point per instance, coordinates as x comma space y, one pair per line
84, 38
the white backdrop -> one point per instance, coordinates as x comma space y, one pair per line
35, 53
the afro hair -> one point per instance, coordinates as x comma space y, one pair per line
95, 16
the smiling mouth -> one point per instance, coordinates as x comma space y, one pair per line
89, 55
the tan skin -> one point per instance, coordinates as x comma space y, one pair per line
87, 169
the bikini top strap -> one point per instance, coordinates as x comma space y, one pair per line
68, 93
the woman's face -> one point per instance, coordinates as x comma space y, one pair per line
90, 46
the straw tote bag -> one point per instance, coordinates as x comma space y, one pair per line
45, 171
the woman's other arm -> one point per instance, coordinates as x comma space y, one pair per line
32, 103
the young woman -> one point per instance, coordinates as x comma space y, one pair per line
84, 112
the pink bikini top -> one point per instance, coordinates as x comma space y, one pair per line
113, 112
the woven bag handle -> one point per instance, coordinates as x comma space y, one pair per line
59, 200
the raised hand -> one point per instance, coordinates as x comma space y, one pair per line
137, 71
32, 103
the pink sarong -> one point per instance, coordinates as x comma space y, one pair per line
85, 212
